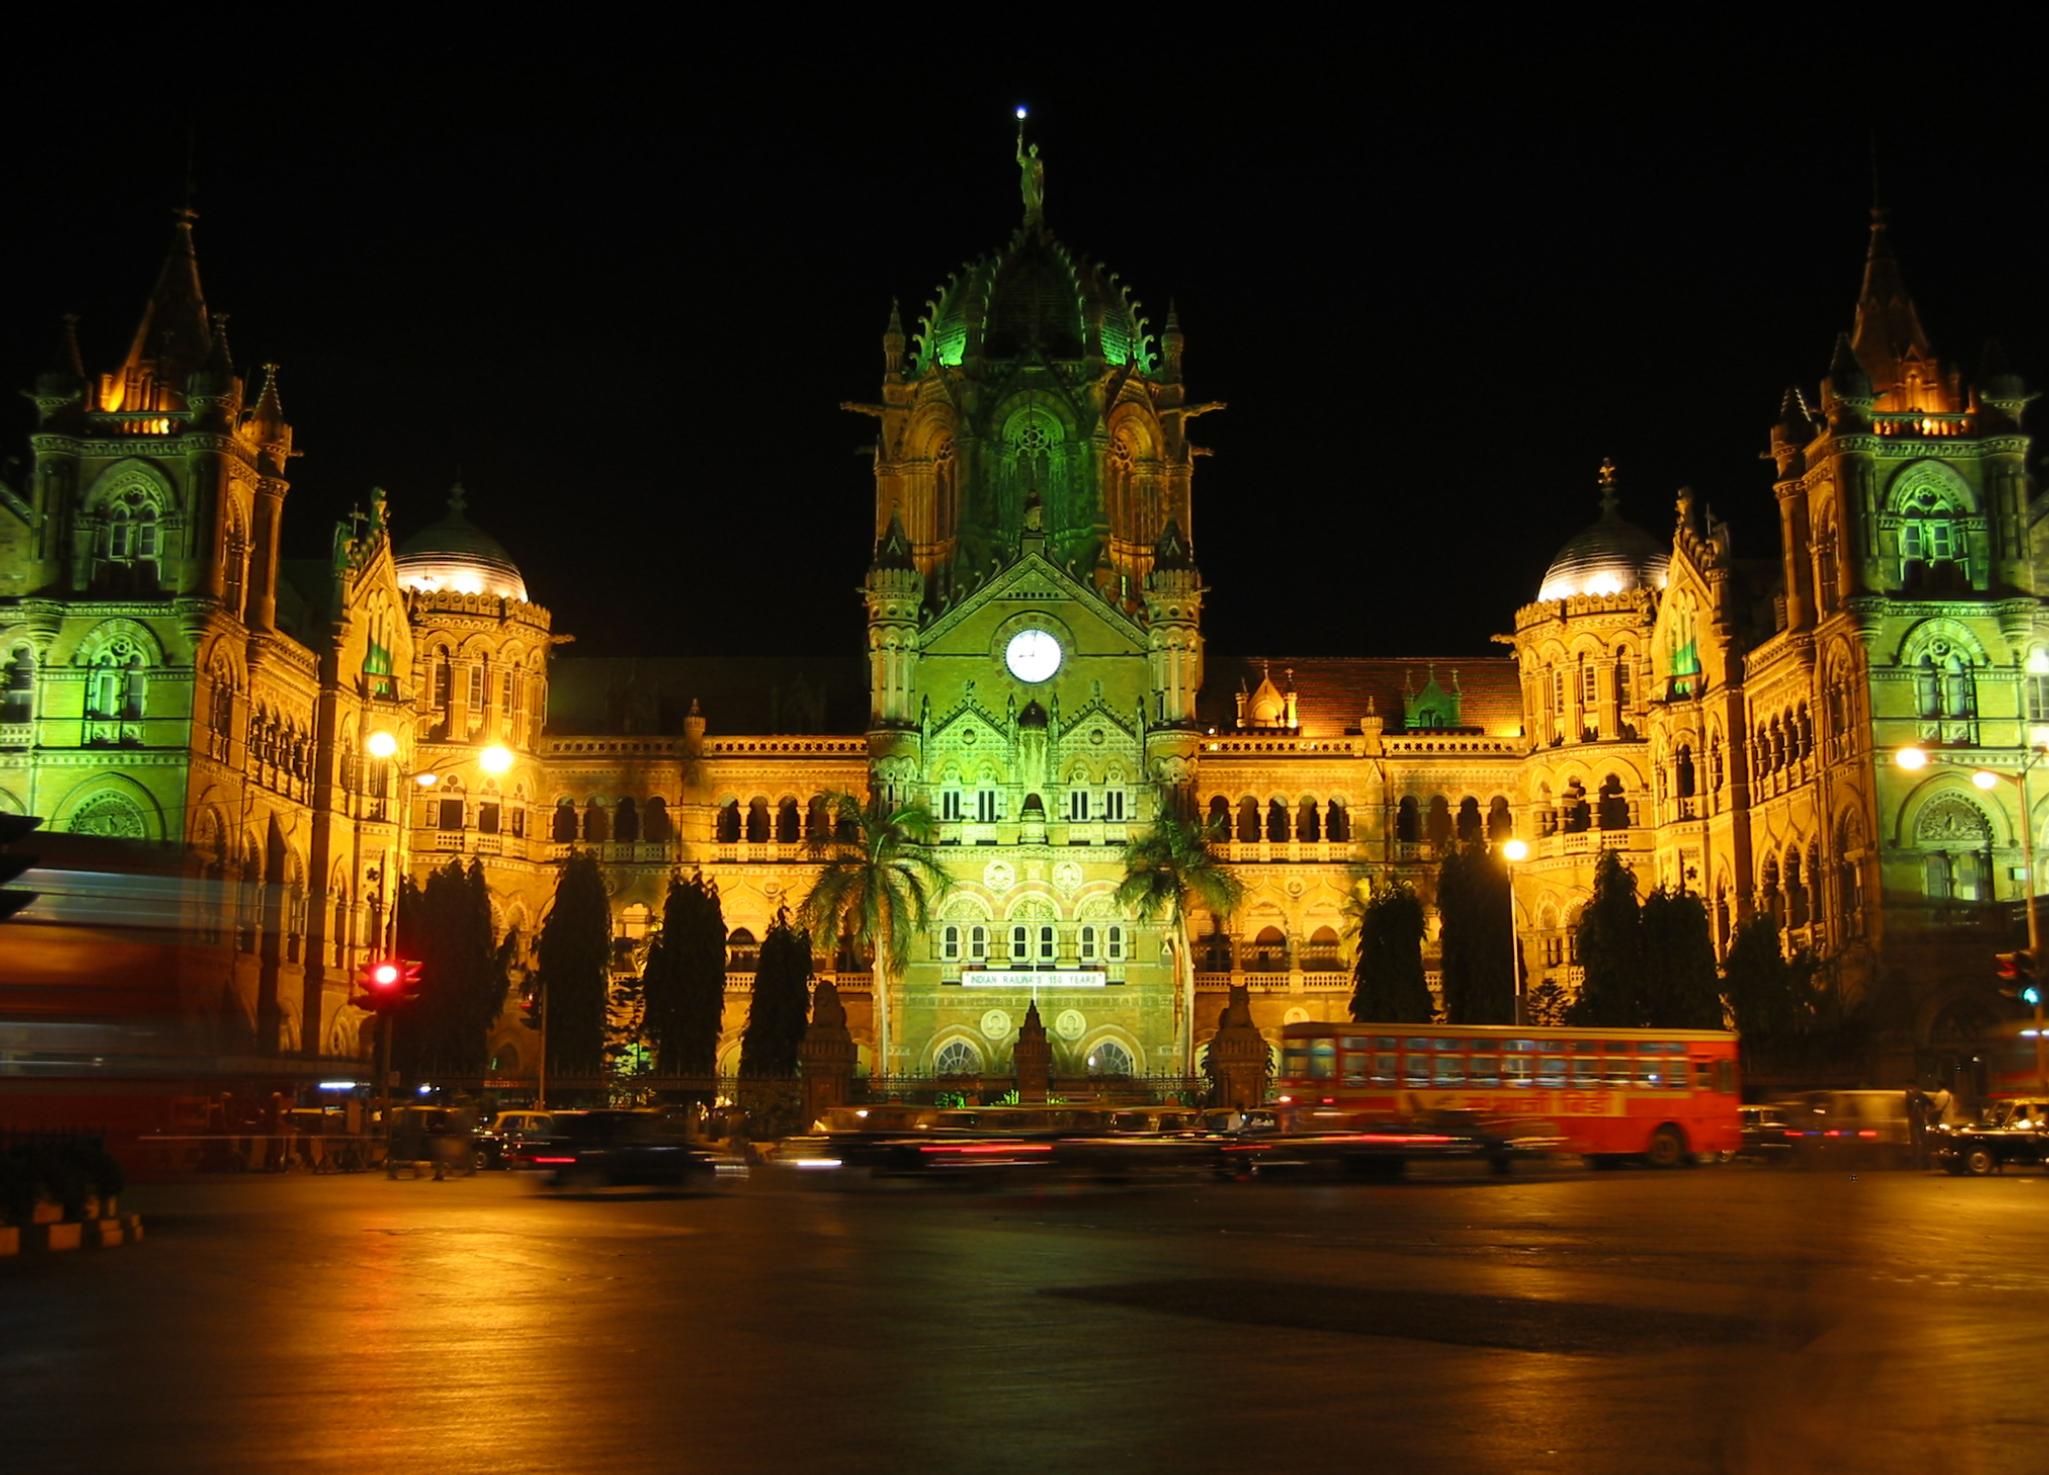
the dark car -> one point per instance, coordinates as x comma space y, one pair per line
2015, 1132
1324, 1141
1767, 1134
501, 1141
618, 1148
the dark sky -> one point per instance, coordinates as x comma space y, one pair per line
1437, 279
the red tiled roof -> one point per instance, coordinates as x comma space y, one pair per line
1331, 692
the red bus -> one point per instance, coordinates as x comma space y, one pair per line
1664, 1095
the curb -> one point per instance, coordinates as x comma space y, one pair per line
100, 1234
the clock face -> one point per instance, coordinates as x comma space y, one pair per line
1032, 655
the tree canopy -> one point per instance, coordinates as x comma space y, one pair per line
1680, 989
1478, 937
574, 957
1610, 950
779, 1010
1389, 983
445, 926
683, 981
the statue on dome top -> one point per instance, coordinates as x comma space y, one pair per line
1032, 180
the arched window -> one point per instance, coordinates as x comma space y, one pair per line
564, 827
1216, 951
595, 828
743, 953
1048, 949
978, 943
1113, 944
1269, 952
1796, 890
1308, 823
1276, 821
1248, 819
1020, 944
489, 809
1469, 818
1934, 554
1321, 953
1959, 689
788, 827
235, 567
1437, 822
1578, 814
1086, 945
127, 549
654, 824
1408, 821
728, 830
2036, 681
1500, 819
1109, 1058
626, 821
817, 822
1770, 898
957, 1058
1682, 777
759, 827
18, 686
1220, 815
1337, 822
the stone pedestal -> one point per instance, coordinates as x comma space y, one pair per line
1034, 1059
1238, 1058
825, 1058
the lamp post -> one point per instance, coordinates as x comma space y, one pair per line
1511, 852
1913, 760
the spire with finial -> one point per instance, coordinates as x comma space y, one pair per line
63, 382
268, 421
1611, 488
893, 343
1173, 341
1888, 326
174, 335
458, 499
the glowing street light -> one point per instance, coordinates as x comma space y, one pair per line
381, 744
426, 780
1985, 778
1911, 759
495, 759
1512, 851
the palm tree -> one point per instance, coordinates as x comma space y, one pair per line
876, 890
1168, 868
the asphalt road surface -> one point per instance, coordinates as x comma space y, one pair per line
1643, 1323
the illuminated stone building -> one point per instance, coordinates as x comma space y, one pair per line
1036, 674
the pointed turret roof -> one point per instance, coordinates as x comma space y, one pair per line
894, 549
1888, 327
1171, 551
174, 336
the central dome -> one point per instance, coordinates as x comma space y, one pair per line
1033, 296
457, 554
1610, 557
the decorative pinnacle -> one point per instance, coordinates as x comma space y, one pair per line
1609, 486
458, 499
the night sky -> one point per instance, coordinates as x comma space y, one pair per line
1437, 280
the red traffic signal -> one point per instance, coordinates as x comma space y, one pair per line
531, 1003
2016, 967
384, 982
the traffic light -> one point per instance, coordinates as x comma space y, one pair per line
14, 827
2018, 978
530, 1005
385, 983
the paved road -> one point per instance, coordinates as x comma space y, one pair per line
1725, 1319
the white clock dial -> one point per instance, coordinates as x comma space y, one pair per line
1032, 655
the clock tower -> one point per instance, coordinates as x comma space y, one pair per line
1035, 649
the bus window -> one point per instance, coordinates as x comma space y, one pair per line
1351, 1042
1703, 1075
1620, 1065
1383, 1068
1650, 1072
1586, 1071
1451, 1069
1322, 1060
1725, 1077
1550, 1070
1355, 1062
1482, 1071
1294, 1061
1515, 1070
1416, 1063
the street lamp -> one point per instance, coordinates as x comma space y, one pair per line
1513, 851
1914, 759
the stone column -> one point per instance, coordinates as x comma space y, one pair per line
1238, 1055
1033, 1057
825, 1058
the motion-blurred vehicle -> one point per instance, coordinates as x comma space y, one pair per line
1850, 1129
436, 1139
500, 1139
588, 1149
1326, 1141
2011, 1132
1767, 1135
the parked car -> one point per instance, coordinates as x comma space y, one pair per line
588, 1149
1767, 1134
500, 1139
2015, 1131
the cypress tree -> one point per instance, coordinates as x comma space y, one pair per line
575, 962
1390, 985
778, 1012
1478, 969
1610, 950
1680, 989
